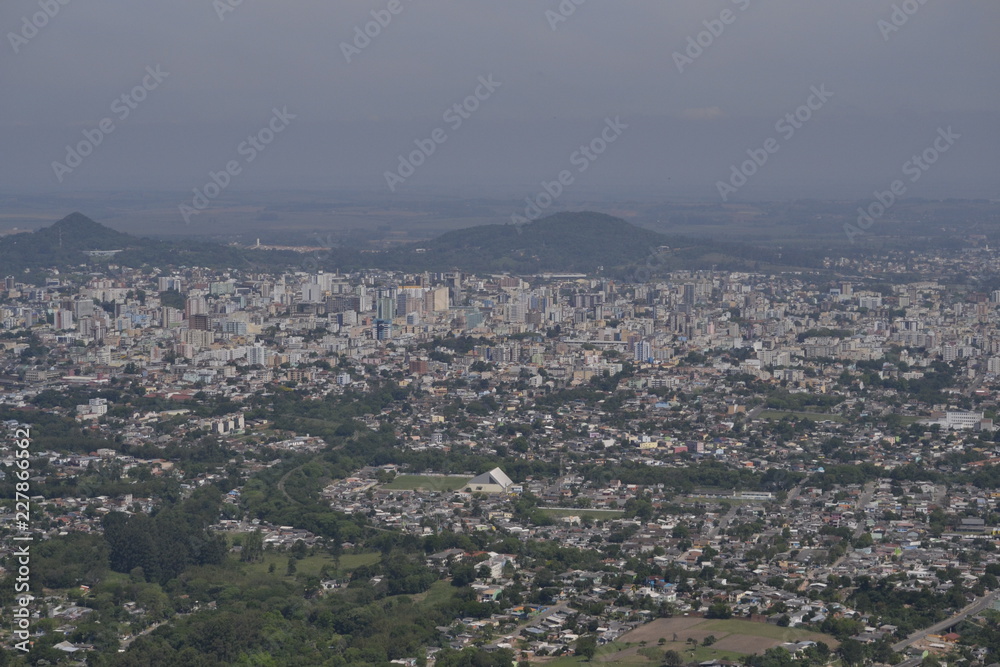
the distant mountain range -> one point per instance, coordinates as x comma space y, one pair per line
565, 242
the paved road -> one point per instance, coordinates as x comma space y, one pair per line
534, 620
866, 497
972, 609
976, 381
860, 515
723, 522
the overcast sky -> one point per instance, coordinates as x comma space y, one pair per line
891, 92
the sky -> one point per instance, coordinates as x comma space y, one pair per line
672, 97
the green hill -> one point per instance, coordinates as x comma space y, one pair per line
64, 244
61, 244
562, 242
581, 243
565, 242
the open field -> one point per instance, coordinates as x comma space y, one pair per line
734, 639
732, 635
438, 592
428, 482
311, 565
815, 416
582, 513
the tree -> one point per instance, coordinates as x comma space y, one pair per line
672, 659
851, 652
718, 610
586, 646
253, 547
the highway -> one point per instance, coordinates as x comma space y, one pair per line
971, 610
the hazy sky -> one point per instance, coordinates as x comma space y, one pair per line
891, 92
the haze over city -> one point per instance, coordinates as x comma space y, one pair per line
562, 68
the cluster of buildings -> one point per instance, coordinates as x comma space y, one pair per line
779, 377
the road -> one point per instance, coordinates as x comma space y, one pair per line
976, 381
723, 522
971, 610
534, 620
860, 514
866, 497
127, 642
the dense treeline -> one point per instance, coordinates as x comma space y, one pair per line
165, 544
709, 474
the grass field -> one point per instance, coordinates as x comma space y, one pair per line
734, 639
427, 482
435, 595
582, 513
815, 416
311, 565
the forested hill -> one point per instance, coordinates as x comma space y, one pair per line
582, 242
562, 242
565, 242
65, 243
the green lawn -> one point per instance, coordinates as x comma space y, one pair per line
815, 416
583, 513
427, 482
438, 592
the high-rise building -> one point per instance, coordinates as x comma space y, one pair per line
195, 305
62, 319
257, 355
385, 307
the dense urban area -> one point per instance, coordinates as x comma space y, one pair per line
317, 468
